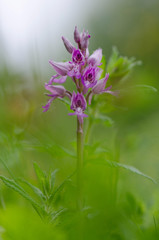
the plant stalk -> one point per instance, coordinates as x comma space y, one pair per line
79, 165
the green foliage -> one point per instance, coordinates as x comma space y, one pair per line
66, 102
118, 66
103, 119
10, 145
16, 187
95, 154
21, 223
142, 88
129, 168
53, 149
45, 194
134, 208
41, 176
36, 190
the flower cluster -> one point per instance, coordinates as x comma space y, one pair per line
85, 72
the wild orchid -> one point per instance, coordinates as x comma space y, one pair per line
85, 72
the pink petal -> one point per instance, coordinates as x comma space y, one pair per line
95, 58
61, 67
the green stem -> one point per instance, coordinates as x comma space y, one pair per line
79, 165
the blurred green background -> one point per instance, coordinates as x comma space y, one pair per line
30, 33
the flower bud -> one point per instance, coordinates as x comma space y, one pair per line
68, 45
76, 35
84, 41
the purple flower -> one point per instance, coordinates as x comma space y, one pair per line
61, 68
99, 88
57, 91
90, 76
81, 38
78, 105
77, 57
68, 45
78, 60
85, 73
95, 58
75, 71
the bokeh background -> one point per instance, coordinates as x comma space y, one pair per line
30, 35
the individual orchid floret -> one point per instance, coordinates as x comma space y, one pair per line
95, 58
78, 60
78, 105
78, 57
99, 88
75, 72
90, 76
68, 45
57, 91
61, 68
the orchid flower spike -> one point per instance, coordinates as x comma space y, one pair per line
85, 73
